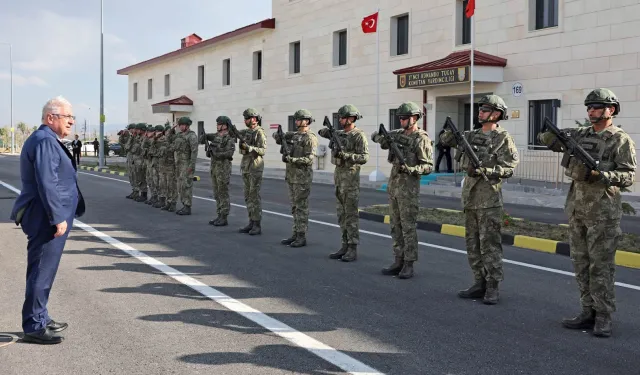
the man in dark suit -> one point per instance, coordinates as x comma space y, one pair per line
76, 146
49, 201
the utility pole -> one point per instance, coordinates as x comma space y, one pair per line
101, 147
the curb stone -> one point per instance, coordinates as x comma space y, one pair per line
96, 169
623, 258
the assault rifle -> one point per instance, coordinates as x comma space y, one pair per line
203, 135
572, 148
393, 146
467, 149
233, 131
284, 147
334, 143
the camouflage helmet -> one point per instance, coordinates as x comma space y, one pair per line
223, 120
141, 126
349, 110
303, 114
184, 121
167, 127
603, 96
409, 109
151, 128
496, 102
159, 128
251, 112
131, 126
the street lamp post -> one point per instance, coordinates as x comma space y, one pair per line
101, 144
13, 136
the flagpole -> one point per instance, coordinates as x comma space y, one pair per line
472, 105
377, 174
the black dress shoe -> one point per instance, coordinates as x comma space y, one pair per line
43, 337
56, 326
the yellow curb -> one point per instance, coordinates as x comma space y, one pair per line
448, 210
627, 259
387, 219
196, 178
564, 225
453, 230
533, 243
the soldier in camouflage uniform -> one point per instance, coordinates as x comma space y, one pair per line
346, 177
482, 200
135, 147
595, 209
220, 148
167, 180
123, 139
299, 174
253, 145
186, 154
153, 174
147, 141
404, 186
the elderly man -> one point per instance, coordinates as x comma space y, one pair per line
46, 207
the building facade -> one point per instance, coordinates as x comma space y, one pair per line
541, 56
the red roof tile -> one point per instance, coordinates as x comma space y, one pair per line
457, 59
183, 100
265, 24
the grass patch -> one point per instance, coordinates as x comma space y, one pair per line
629, 242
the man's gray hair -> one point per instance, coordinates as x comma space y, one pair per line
54, 106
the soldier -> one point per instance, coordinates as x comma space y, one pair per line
220, 148
147, 141
186, 148
168, 184
355, 152
299, 174
404, 186
123, 139
482, 200
595, 209
138, 172
153, 153
253, 145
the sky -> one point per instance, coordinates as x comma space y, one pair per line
56, 49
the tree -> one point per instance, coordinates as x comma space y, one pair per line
34, 128
4, 136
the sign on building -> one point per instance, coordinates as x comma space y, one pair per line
434, 77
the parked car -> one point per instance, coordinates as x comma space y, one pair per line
116, 149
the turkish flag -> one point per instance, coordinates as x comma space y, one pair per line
370, 23
471, 8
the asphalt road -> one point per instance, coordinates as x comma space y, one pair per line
155, 292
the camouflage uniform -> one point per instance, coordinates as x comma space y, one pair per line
299, 175
404, 189
147, 149
253, 145
123, 139
186, 154
138, 175
595, 210
167, 180
221, 147
346, 177
154, 177
482, 200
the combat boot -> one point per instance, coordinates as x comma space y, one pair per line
221, 221
491, 295
153, 200
407, 270
288, 241
300, 241
172, 207
134, 195
160, 203
477, 290
130, 196
395, 268
141, 197
603, 325
586, 319
352, 253
256, 229
338, 254
166, 206
247, 229
185, 210
214, 221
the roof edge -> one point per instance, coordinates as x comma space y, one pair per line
457, 59
269, 23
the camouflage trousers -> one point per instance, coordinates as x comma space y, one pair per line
252, 183
140, 178
404, 203
220, 178
347, 187
484, 242
129, 167
167, 182
593, 251
299, 197
149, 176
185, 181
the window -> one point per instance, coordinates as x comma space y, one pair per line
538, 110
167, 87
135, 92
226, 72
294, 57
336, 122
201, 77
292, 125
543, 14
465, 32
340, 48
257, 65
199, 126
394, 121
400, 35
150, 88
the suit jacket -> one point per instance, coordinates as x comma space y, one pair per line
76, 145
50, 192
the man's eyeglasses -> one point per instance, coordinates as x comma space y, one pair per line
65, 116
404, 117
595, 106
486, 109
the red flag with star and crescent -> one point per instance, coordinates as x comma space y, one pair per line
471, 8
370, 23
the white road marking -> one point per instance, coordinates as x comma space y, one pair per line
326, 352
426, 244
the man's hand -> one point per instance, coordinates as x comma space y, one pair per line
61, 229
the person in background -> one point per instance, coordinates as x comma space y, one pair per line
96, 146
76, 146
